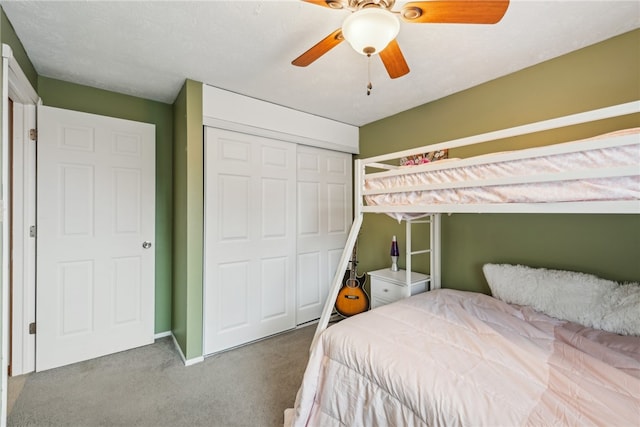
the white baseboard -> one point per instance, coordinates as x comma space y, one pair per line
187, 362
162, 335
193, 361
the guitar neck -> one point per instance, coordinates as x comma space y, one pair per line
354, 262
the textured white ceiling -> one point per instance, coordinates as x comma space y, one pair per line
148, 49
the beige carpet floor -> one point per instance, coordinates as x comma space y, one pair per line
149, 386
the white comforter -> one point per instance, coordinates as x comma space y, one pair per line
458, 358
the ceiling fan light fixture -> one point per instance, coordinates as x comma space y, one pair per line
370, 30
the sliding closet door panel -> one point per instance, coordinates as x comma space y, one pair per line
337, 221
249, 238
233, 286
233, 208
309, 198
274, 274
324, 219
309, 266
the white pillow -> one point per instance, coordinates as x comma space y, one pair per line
576, 297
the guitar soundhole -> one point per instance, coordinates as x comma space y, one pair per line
352, 283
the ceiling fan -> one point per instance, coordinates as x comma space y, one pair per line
373, 25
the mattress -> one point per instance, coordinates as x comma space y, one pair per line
447, 183
446, 358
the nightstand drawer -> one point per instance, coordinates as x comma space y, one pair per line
388, 286
386, 291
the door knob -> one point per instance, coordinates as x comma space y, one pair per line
146, 245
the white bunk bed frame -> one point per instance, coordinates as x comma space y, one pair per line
434, 211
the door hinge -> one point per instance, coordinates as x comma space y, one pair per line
32, 231
32, 328
33, 134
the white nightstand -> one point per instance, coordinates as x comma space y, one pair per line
388, 286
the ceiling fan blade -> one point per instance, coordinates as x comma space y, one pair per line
455, 11
319, 49
393, 60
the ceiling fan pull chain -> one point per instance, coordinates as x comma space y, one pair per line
369, 86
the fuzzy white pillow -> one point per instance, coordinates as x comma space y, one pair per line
576, 297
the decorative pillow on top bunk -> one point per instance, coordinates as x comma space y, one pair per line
576, 297
419, 159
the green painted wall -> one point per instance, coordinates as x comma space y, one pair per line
188, 219
607, 245
70, 96
8, 36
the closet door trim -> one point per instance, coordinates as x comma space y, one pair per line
267, 133
232, 111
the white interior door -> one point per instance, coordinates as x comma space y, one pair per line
324, 220
250, 217
95, 208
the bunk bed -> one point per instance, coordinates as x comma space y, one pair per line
448, 357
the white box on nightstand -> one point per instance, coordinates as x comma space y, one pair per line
388, 286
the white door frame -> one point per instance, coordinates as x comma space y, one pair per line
23, 212
15, 85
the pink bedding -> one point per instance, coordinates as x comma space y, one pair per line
595, 189
448, 357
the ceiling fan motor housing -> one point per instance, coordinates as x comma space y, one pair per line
370, 30
361, 4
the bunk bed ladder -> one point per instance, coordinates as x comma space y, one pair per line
436, 251
433, 250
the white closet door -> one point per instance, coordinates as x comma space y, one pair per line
250, 225
324, 219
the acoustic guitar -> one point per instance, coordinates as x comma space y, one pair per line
352, 299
